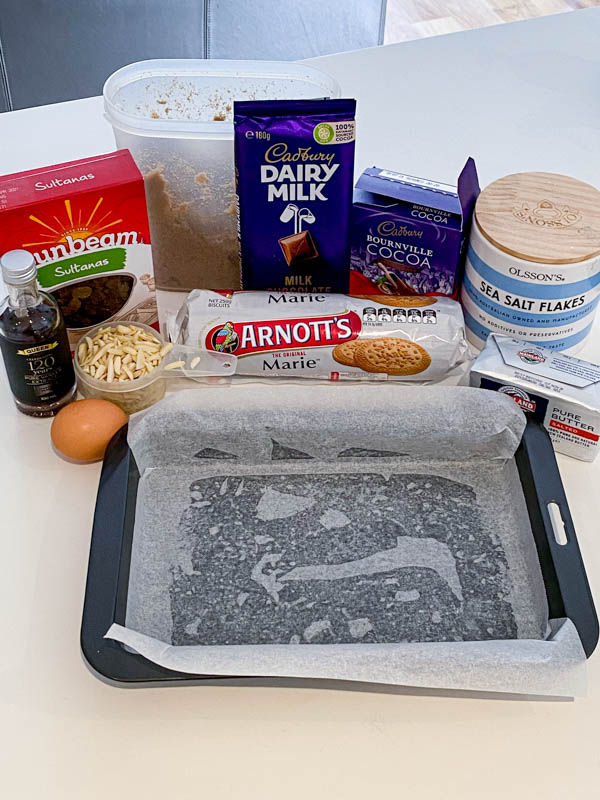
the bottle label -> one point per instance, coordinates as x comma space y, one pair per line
41, 373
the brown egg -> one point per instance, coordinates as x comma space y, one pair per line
82, 430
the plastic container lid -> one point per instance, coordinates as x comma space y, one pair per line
194, 97
541, 217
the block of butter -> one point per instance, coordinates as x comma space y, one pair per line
561, 391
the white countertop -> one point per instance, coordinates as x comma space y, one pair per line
517, 97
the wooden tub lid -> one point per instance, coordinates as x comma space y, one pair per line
541, 216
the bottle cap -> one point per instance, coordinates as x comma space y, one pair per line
18, 267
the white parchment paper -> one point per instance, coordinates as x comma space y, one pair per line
377, 536
554, 667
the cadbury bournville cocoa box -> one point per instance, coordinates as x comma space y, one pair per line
409, 235
294, 162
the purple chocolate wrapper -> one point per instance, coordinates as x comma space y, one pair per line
294, 163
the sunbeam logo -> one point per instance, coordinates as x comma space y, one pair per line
78, 231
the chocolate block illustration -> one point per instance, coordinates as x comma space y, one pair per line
298, 248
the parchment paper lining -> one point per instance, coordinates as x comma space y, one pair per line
220, 567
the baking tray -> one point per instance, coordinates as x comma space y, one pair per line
565, 580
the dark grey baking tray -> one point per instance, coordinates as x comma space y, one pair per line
565, 580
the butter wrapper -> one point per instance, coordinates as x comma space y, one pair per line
560, 391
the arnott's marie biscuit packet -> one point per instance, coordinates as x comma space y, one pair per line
294, 163
326, 336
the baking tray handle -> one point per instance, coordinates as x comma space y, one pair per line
565, 578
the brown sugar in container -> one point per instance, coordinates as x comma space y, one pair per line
533, 264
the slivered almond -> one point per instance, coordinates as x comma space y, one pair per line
99, 354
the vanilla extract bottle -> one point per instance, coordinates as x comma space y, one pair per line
33, 340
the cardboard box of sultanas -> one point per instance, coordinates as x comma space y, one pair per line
409, 234
86, 224
560, 391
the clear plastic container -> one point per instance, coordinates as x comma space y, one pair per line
176, 118
130, 396
181, 361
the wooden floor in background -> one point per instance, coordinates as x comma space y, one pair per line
415, 19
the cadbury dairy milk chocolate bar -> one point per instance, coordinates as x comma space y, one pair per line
294, 163
560, 391
326, 336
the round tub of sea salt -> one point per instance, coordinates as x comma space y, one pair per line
533, 263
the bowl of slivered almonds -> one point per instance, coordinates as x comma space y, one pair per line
119, 362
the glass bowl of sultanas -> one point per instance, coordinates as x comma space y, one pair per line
118, 361
91, 301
